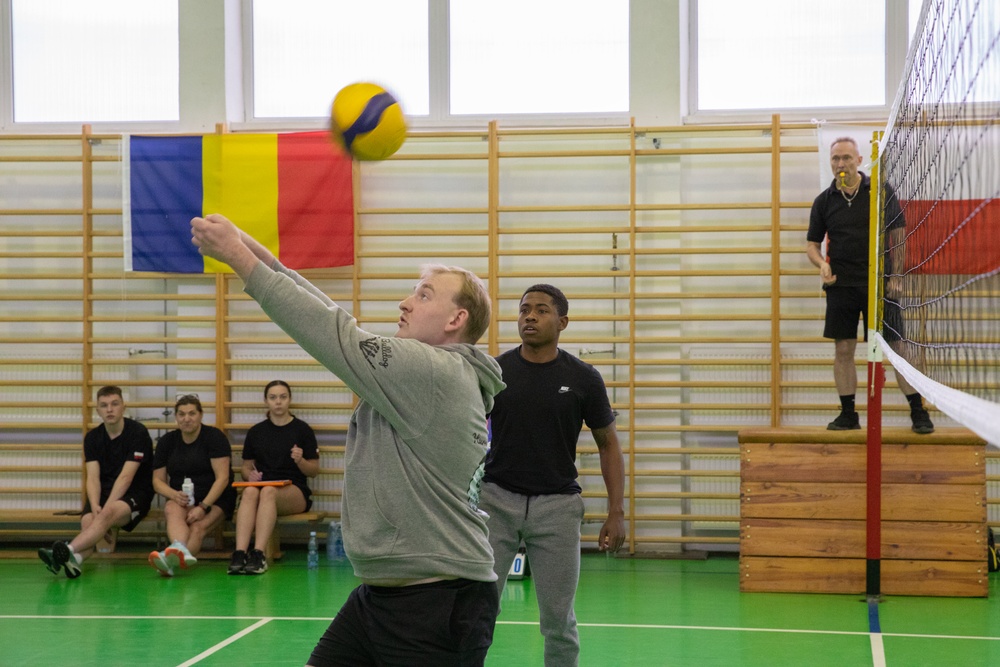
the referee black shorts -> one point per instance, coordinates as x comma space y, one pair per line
846, 305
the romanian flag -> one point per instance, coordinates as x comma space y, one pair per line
292, 192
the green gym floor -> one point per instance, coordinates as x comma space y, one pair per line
630, 611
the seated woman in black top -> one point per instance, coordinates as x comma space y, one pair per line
203, 454
280, 447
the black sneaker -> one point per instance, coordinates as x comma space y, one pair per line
238, 563
845, 421
921, 421
46, 556
256, 562
63, 557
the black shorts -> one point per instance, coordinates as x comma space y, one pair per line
845, 305
441, 624
138, 509
226, 502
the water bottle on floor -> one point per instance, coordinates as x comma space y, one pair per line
335, 542
312, 560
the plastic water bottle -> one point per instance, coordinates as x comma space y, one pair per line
188, 488
335, 542
313, 557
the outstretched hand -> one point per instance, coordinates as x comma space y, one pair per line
217, 237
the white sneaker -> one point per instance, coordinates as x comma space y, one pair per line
157, 560
179, 556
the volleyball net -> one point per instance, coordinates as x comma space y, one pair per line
939, 167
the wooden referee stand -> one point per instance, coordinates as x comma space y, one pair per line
803, 509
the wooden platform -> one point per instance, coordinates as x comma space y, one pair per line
803, 510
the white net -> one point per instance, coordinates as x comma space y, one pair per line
940, 169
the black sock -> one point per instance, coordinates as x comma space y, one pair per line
847, 403
914, 401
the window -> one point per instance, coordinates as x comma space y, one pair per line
304, 51
94, 61
794, 55
442, 58
526, 56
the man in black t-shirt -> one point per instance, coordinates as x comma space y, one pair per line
840, 215
119, 472
530, 490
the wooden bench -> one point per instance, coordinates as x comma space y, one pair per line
63, 519
803, 512
273, 550
65, 524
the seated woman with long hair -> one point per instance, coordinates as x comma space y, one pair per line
282, 447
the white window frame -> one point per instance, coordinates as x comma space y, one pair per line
7, 123
896, 44
439, 81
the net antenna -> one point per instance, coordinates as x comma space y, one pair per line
938, 232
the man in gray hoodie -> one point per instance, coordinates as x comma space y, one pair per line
412, 527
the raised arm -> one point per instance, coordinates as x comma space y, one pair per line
220, 239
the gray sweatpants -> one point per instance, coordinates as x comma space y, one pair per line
549, 525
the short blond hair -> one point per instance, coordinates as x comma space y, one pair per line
472, 296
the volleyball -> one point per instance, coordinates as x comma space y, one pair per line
367, 121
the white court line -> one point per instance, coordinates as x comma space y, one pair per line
878, 650
786, 630
534, 623
226, 642
638, 626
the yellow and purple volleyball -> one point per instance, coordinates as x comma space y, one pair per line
367, 121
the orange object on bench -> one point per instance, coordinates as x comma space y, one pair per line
277, 482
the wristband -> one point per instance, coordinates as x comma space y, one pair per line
205, 507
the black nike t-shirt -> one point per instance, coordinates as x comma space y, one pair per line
536, 422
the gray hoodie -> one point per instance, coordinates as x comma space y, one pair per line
415, 442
